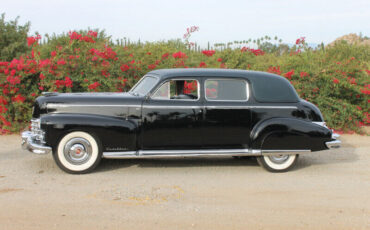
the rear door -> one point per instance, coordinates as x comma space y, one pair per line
227, 117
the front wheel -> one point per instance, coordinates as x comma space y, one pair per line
278, 163
78, 152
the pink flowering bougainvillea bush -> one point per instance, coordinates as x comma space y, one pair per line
336, 78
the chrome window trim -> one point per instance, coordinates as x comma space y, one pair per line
228, 79
179, 79
141, 79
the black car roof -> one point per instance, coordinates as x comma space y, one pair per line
199, 72
267, 87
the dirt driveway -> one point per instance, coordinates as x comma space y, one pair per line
328, 190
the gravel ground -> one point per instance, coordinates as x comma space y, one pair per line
327, 190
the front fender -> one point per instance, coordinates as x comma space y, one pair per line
288, 134
115, 134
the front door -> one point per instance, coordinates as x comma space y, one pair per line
172, 117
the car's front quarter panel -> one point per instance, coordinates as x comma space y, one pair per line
115, 134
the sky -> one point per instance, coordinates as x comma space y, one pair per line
219, 21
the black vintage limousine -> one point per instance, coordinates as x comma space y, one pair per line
177, 113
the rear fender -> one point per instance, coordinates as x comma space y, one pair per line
288, 134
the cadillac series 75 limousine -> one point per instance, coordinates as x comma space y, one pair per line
177, 113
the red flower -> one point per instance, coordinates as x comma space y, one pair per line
68, 82
359, 108
335, 81
3, 109
94, 85
289, 74
300, 40
53, 53
5, 122
208, 53
13, 80
42, 77
33, 94
59, 83
92, 33
125, 67
165, 56
275, 70
202, 64
32, 40
219, 59
303, 74
152, 66
256, 52
179, 55
3, 101
149, 53
368, 71
365, 91
74, 36
61, 62
18, 98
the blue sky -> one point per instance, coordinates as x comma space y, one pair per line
219, 21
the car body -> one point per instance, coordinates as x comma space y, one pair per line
181, 112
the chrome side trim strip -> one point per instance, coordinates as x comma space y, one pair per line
250, 107
117, 155
274, 152
56, 105
199, 153
196, 152
172, 107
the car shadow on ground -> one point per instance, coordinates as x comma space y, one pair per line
179, 162
346, 154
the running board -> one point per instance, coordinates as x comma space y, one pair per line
200, 153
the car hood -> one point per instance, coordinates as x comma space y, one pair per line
94, 103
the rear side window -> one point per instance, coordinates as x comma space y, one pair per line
273, 89
226, 90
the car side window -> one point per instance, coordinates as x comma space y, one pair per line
178, 90
226, 90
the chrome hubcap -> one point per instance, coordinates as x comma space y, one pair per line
280, 159
77, 151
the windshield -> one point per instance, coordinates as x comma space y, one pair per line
144, 85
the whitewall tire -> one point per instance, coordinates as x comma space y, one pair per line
279, 163
78, 152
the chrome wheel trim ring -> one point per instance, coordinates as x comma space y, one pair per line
280, 159
77, 151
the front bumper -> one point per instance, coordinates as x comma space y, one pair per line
335, 143
29, 143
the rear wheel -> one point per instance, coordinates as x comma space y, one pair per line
78, 152
278, 163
